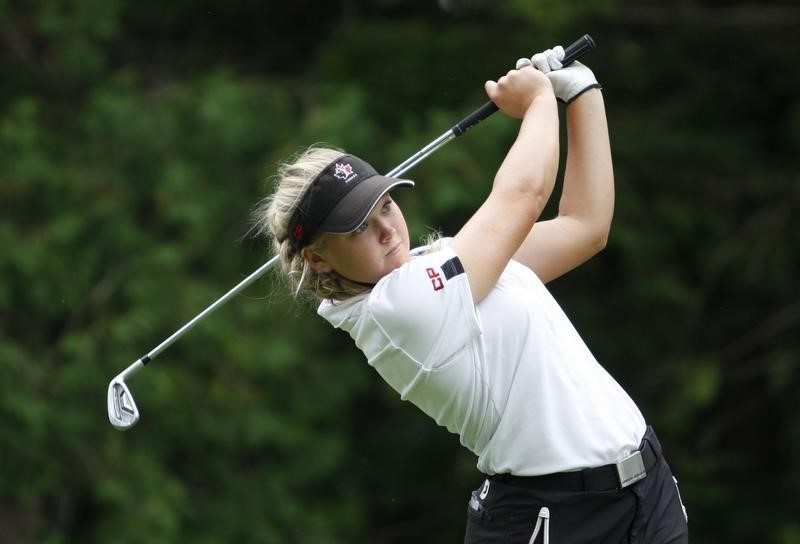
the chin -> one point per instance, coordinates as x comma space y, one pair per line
402, 257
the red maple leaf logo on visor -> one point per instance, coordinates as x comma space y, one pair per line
344, 172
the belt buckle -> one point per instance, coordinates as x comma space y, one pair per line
630, 470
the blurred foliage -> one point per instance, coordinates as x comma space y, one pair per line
135, 139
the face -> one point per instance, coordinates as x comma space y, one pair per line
378, 246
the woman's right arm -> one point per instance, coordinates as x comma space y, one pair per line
522, 184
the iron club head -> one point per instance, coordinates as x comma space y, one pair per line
122, 411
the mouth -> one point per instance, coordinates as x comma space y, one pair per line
394, 249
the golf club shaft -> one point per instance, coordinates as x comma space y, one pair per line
202, 315
571, 53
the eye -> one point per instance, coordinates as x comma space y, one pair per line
387, 206
361, 228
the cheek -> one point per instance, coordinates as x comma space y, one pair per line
336, 253
351, 254
403, 228
400, 222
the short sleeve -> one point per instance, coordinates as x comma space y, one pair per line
425, 308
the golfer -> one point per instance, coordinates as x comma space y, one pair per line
465, 329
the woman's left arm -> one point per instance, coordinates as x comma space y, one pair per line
586, 207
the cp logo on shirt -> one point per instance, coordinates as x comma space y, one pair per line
436, 279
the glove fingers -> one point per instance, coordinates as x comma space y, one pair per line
523, 62
549, 60
540, 62
558, 53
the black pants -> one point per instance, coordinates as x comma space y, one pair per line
507, 510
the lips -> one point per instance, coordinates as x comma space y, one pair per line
394, 249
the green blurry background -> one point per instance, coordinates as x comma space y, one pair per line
135, 138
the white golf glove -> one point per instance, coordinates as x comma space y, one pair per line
568, 82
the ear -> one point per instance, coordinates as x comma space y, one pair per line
316, 261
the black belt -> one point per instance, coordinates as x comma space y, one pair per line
605, 478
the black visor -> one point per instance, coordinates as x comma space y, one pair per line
339, 199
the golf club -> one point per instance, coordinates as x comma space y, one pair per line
122, 410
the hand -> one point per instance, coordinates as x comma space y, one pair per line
514, 92
568, 82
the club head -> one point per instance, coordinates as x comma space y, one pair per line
122, 411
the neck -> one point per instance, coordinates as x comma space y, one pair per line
361, 283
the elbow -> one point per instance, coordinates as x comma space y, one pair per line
593, 238
599, 239
596, 230
600, 244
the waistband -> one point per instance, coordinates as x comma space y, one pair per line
605, 478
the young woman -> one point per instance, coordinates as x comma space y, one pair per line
466, 330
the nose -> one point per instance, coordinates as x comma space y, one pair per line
386, 231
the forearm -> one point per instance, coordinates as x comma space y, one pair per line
521, 186
588, 192
531, 164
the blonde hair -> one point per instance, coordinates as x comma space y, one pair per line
271, 219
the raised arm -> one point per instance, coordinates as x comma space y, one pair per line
586, 207
522, 184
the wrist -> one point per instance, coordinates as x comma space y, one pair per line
540, 105
590, 90
544, 93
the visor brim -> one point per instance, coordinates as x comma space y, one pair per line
354, 208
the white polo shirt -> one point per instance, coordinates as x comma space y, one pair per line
510, 376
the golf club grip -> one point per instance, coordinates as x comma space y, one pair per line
571, 53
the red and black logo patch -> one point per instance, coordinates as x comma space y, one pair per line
449, 269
